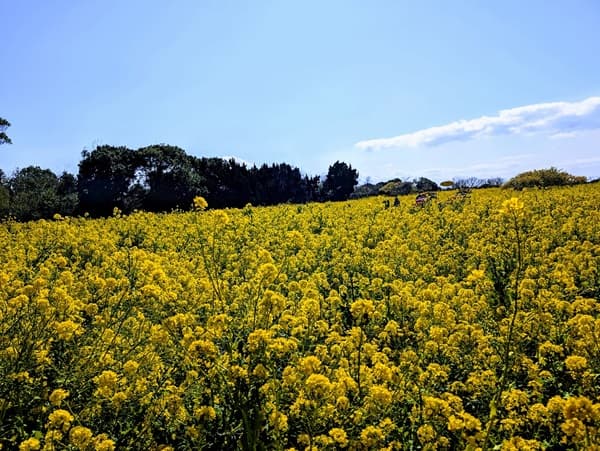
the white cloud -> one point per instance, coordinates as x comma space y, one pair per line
564, 135
559, 119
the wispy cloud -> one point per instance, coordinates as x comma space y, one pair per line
564, 135
559, 119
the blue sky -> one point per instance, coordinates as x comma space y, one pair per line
398, 89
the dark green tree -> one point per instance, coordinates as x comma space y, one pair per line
340, 181
226, 182
34, 194
238, 185
311, 187
106, 176
279, 183
366, 190
4, 195
4, 124
396, 187
167, 175
424, 184
215, 173
67, 194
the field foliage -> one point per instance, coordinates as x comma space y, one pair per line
468, 323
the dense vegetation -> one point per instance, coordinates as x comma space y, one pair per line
468, 323
162, 178
542, 178
4, 124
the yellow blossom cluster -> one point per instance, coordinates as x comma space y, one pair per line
464, 324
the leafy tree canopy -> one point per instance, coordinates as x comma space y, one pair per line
396, 188
424, 184
340, 181
105, 177
542, 178
166, 176
4, 124
33, 193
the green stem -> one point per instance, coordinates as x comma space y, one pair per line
494, 404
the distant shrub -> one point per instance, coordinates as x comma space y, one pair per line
396, 188
542, 178
366, 190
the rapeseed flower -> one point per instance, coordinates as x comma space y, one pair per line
31, 444
80, 437
60, 419
326, 318
200, 203
57, 396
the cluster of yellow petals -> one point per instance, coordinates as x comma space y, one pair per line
464, 324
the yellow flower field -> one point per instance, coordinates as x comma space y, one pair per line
465, 324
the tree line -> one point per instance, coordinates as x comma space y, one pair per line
162, 178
